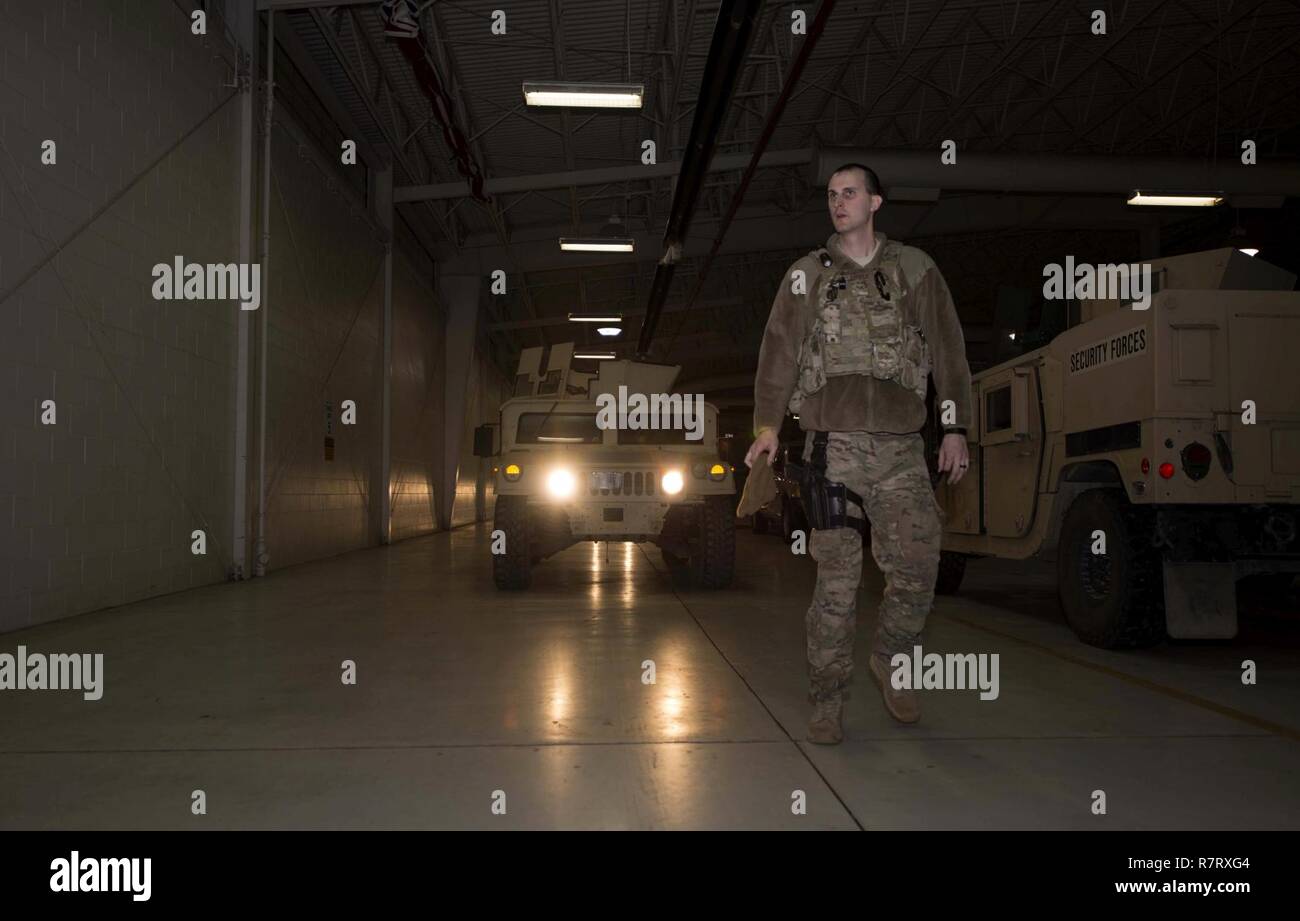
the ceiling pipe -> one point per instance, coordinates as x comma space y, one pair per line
604, 175
920, 170
999, 172
731, 37
773, 119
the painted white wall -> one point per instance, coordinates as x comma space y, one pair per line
98, 509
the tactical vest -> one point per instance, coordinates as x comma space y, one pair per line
863, 322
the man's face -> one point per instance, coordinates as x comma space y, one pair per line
849, 203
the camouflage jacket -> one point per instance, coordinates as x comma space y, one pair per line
861, 365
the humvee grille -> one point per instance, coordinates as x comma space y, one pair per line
622, 483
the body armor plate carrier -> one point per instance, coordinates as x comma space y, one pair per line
863, 323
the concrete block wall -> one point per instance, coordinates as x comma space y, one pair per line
418, 385
324, 310
97, 509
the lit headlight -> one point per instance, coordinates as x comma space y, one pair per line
672, 482
717, 472
560, 483
513, 472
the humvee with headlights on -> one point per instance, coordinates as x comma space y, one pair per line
562, 476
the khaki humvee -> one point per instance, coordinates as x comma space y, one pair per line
1155, 454
562, 477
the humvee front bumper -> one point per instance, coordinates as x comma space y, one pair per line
617, 520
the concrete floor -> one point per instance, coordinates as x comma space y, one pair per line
461, 691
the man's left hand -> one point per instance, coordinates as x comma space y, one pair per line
953, 456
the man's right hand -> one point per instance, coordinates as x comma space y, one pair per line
765, 443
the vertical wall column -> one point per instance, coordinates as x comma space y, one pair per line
381, 198
460, 295
244, 25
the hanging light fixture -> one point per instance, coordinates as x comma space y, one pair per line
613, 238
585, 95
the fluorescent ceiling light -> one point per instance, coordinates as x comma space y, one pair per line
579, 318
586, 95
604, 356
1176, 199
1249, 251
598, 244
614, 330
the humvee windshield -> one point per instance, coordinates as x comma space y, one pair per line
558, 428
654, 437
672, 427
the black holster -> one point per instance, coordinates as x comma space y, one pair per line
825, 503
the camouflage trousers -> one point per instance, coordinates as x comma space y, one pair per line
889, 473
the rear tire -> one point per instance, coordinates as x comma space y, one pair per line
1113, 600
952, 567
512, 570
713, 555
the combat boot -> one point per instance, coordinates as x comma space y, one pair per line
825, 726
902, 704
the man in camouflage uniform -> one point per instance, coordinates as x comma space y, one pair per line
854, 332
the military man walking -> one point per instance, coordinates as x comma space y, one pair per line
852, 337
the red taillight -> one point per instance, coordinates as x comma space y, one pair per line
1166, 470
1146, 465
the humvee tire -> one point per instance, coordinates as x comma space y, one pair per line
512, 570
671, 559
713, 554
1113, 600
952, 566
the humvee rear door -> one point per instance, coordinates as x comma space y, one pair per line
1011, 440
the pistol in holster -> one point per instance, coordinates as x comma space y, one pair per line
825, 503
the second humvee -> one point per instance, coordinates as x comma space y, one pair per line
562, 477
1154, 453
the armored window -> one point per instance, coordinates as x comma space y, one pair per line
550, 383
654, 437
671, 427
997, 409
558, 428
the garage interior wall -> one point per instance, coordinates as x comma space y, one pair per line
326, 296
98, 509
419, 335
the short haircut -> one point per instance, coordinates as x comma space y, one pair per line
873, 181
